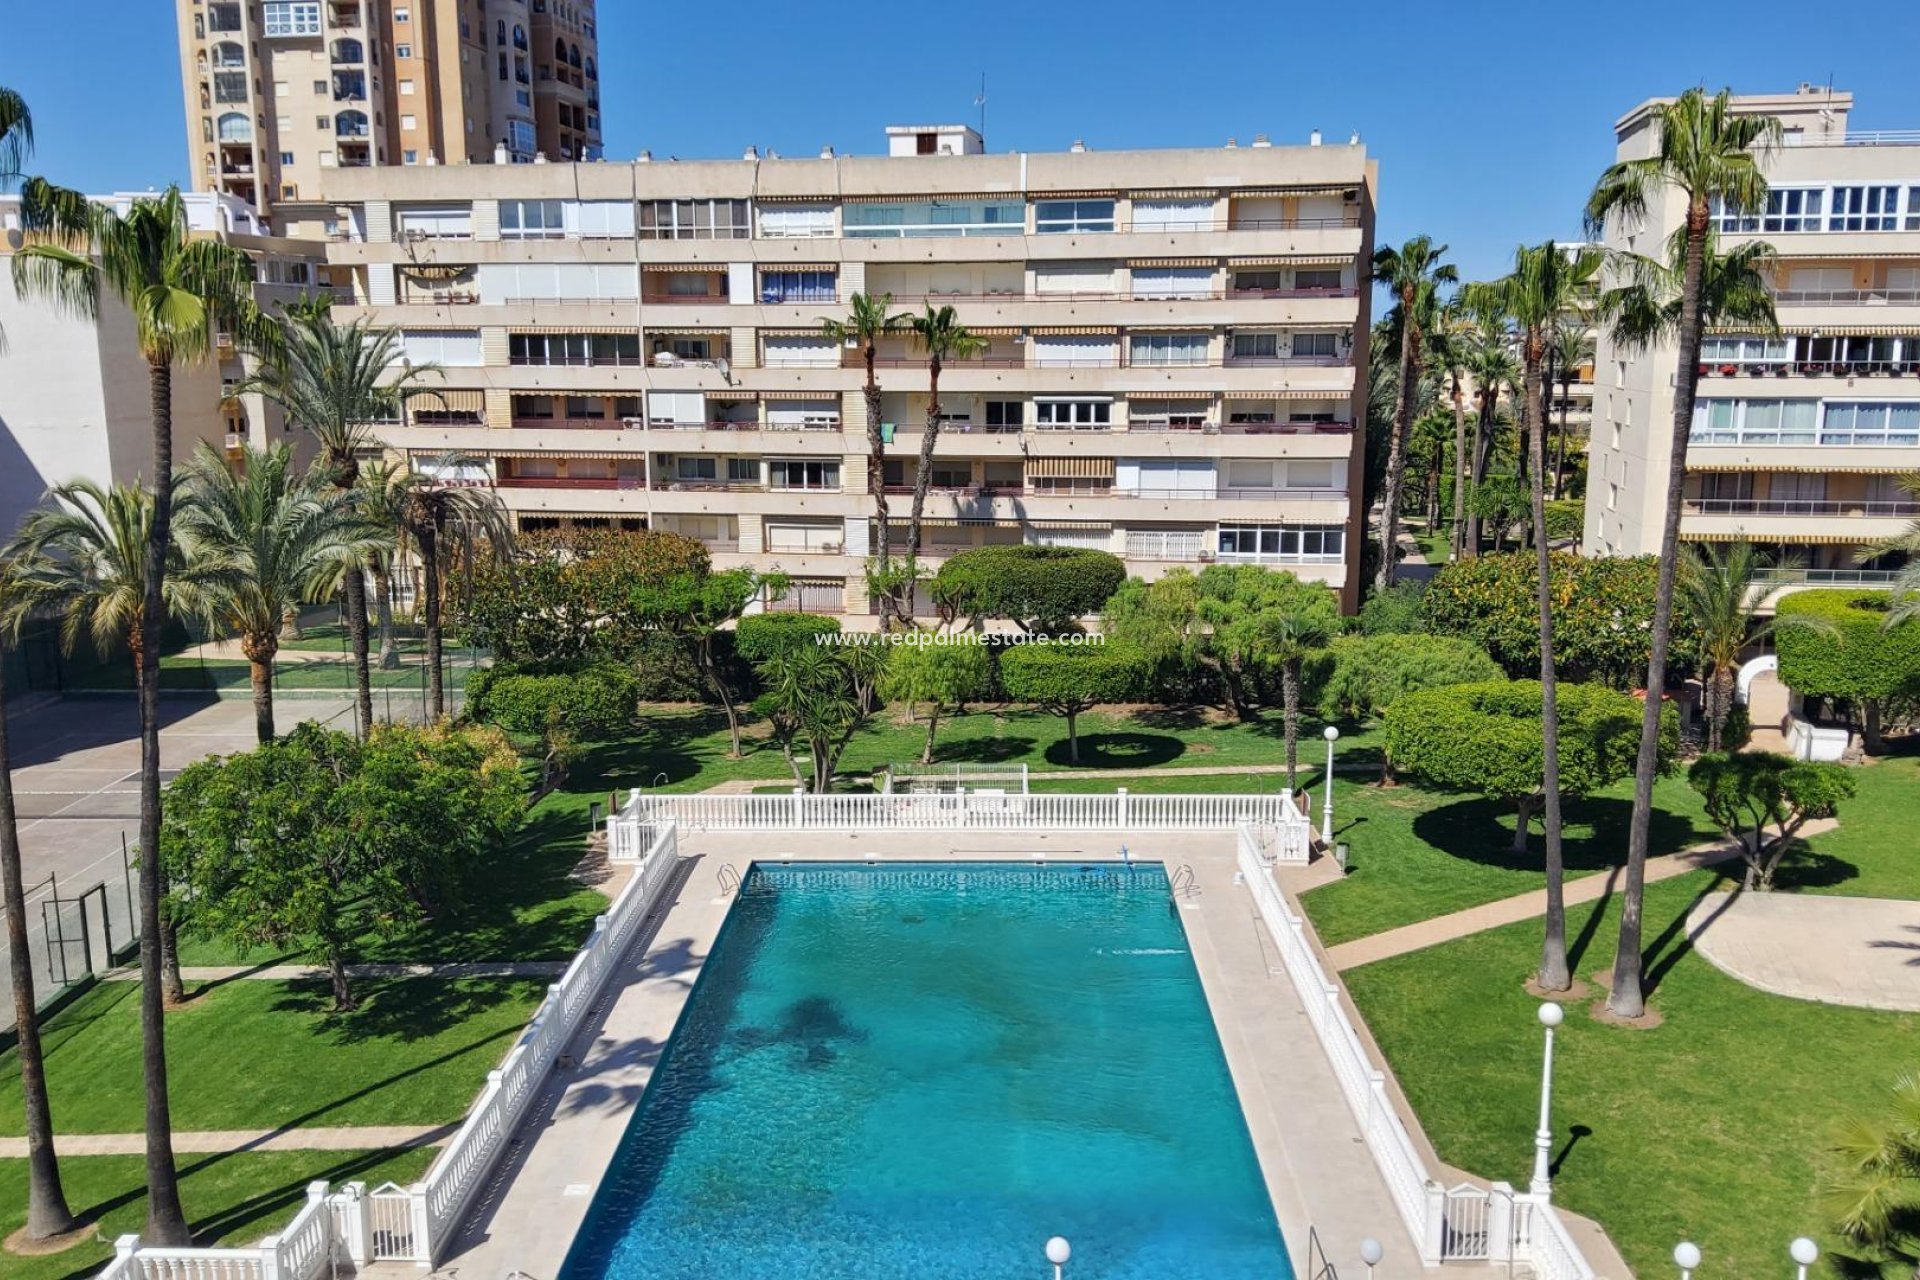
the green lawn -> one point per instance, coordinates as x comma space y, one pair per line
251, 1053
189, 673
229, 1199
1875, 852
1708, 1128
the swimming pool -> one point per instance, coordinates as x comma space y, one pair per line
928, 1069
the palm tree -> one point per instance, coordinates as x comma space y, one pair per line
868, 319
1717, 590
1490, 363
1292, 638
1413, 273
1547, 284
336, 381
941, 335
1711, 157
43, 206
273, 538
381, 497
1450, 341
1906, 586
181, 292
1572, 348
1874, 1195
443, 513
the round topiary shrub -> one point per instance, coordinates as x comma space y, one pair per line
593, 702
1045, 589
1837, 644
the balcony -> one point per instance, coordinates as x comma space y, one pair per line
1848, 507
572, 482
1282, 362
1848, 297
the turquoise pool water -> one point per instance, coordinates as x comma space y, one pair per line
925, 1070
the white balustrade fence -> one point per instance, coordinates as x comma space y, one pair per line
960, 810
416, 1224
1465, 1224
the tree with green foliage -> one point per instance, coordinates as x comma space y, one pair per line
1395, 611
1847, 645
869, 318
181, 291
1221, 621
1043, 590
1746, 792
318, 839
595, 702
1359, 677
941, 671
1712, 156
939, 333
809, 699
1413, 273
1602, 612
268, 537
694, 608
1872, 1189
759, 636
1486, 738
449, 519
1719, 592
1290, 639
1070, 679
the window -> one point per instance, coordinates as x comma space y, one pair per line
502, 282
1754, 421
1167, 415
600, 219
1168, 349
1072, 415
1256, 346
697, 469
1006, 413
1913, 209
293, 17
406, 15
676, 408
236, 127
406, 87
796, 221
1260, 281
1321, 278
694, 220
1864, 209
1062, 217
1324, 543
934, 218
1792, 486
1868, 423
797, 286
1173, 215
743, 471
1320, 345
1791, 210
683, 346
810, 351
230, 86
1068, 280
1076, 350
803, 415
403, 51
803, 473
444, 223
286, 158
1172, 282
1745, 350
531, 220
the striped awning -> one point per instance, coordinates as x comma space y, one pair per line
1798, 539
1849, 331
1157, 327
1069, 468
1171, 393
813, 332
1297, 260
1098, 193
763, 198
575, 328
945, 197
1068, 524
1065, 330
564, 452
683, 331
1290, 193
1286, 394
448, 399
702, 268
993, 331
1173, 262
783, 395
1177, 193
765, 268
1741, 464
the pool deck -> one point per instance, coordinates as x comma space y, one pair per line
1317, 1168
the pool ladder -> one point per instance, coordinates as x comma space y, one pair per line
1183, 883
729, 880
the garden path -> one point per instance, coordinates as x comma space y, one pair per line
372, 1137
305, 972
1863, 952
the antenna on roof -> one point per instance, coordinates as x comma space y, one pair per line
980, 101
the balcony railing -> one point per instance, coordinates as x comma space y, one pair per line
723, 424
1847, 297
1811, 368
671, 299
1826, 577
1237, 494
1795, 507
570, 482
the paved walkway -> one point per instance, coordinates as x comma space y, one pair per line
1526, 906
376, 1137
1863, 952
303, 972
1308, 770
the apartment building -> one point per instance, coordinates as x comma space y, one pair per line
1799, 440
280, 92
74, 401
1172, 339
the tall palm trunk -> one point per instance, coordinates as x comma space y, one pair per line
166, 1221
383, 613
1459, 469
1290, 716
356, 604
47, 1212
1560, 445
259, 651
429, 538
1482, 451
1397, 446
1554, 975
877, 485
922, 479
1627, 997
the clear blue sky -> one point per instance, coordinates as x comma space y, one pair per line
1489, 120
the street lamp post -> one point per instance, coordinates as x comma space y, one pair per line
1686, 1256
1804, 1253
1371, 1253
1332, 736
1058, 1251
1551, 1016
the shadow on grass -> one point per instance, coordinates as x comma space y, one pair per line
400, 1010
1477, 829
983, 750
1119, 751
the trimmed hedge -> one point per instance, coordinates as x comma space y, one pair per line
1361, 676
1852, 654
1047, 589
759, 636
594, 702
